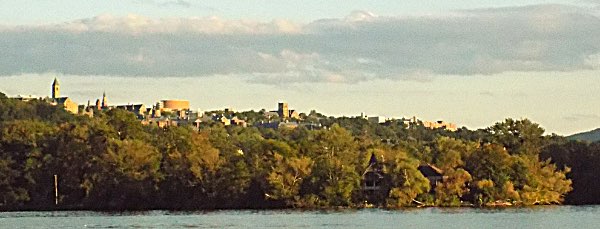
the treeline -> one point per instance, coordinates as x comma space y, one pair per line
112, 162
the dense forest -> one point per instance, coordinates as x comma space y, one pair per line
113, 162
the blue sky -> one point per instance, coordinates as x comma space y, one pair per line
469, 62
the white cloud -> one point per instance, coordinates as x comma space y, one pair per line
581, 117
179, 3
360, 47
133, 24
593, 61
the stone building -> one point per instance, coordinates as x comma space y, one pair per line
64, 102
284, 112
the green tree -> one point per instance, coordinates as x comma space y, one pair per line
131, 175
406, 181
546, 184
334, 177
518, 136
449, 153
453, 188
12, 194
126, 124
286, 178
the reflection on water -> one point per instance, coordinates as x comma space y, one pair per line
530, 217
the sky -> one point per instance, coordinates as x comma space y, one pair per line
472, 63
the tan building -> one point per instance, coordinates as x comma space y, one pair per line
138, 109
67, 104
283, 110
294, 114
174, 105
440, 124
64, 102
104, 101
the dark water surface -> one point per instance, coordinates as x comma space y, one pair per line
534, 217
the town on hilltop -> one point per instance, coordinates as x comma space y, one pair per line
166, 156
170, 112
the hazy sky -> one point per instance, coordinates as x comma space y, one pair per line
469, 62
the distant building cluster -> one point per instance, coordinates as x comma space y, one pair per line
172, 112
284, 112
65, 102
440, 124
411, 121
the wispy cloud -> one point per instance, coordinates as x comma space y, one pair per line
167, 3
360, 47
181, 3
582, 117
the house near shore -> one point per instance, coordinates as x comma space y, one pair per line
374, 185
434, 174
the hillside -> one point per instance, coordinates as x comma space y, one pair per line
591, 136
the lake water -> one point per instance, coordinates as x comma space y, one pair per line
534, 217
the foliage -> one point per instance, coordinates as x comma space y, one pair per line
112, 161
406, 181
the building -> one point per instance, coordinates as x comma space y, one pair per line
138, 109
162, 122
294, 114
104, 101
433, 174
239, 122
440, 124
374, 186
55, 89
271, 114
222, 119
26, 98
277, 125
174, 105
376, 119
283, 110
64, 102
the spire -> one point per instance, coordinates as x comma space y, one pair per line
104, 100
98, 104
55, 89
373, 159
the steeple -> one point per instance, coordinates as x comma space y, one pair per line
98, 104
55, 89
104, 100
373, 159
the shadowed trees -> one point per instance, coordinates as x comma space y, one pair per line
112, 161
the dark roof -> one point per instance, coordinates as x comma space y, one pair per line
60, 100
272, 125
373, 159
429, 170
132, 107
372, 175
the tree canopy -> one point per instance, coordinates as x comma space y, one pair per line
112, 161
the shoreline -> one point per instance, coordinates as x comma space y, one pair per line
328, 209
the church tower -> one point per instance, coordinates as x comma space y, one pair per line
55, 89
98, 104
104, 100
283, 110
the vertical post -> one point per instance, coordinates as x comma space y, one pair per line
55, 189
